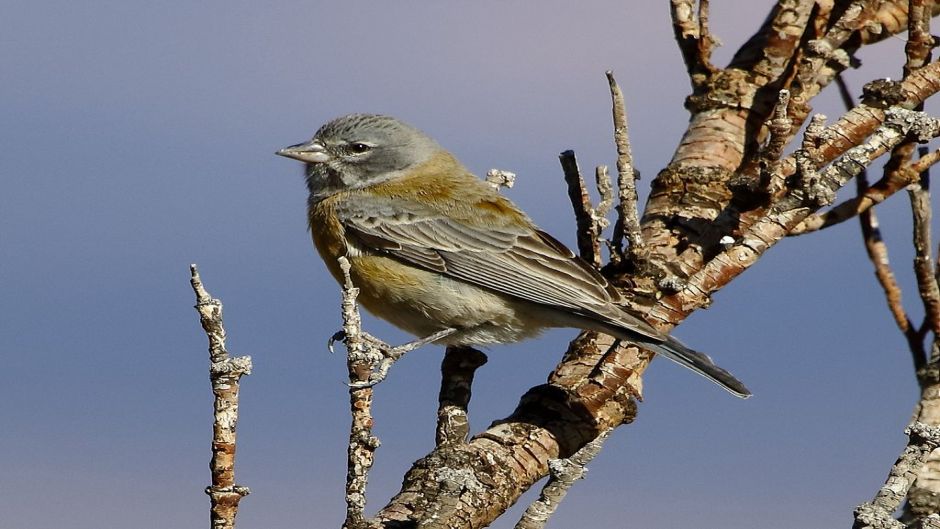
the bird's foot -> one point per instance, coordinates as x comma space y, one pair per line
390, 355
370, 342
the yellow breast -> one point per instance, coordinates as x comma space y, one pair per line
328, 233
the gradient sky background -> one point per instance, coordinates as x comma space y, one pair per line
138, 137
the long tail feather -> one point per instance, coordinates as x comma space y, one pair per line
700, 363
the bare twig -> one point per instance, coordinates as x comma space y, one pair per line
224, 374
878, 513
599, 215
864, 118
918, 50
563, 474
878, 254
688, 33
925, 162
457, 370
924, 269
706, 41
368, 360
919, 40
588, 246
628, 219
360, 361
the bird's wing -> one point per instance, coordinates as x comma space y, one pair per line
519, 261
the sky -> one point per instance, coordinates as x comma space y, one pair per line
138, 137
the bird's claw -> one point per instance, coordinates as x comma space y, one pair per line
338, 336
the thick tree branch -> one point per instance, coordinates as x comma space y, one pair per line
468, 485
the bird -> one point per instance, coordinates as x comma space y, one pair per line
433, 248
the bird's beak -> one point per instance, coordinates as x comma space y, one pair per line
311, 152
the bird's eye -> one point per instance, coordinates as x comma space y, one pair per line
359, 148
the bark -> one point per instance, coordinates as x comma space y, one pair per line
726, 197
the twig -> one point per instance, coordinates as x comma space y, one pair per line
878, 254
878, 513
919, 40
224, 374
918, 50
499, 178
628, 219
588, 246
457, 370
923, 260
563, 474
688, 34
599, 216
360, 362
706, 42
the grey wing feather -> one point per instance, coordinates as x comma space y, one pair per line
528, 264
517, 261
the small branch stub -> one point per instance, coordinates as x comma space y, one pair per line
457, 370
224, 374
499, 178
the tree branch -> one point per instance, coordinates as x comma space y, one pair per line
924, 270
878, 513
628, 219
693, 44
224, 374
361, 360
563, 474
788, 211
457, 370
589, 247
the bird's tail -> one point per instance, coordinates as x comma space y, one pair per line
700, 363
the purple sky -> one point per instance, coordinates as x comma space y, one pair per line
139, 138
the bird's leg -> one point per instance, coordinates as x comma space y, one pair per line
389, 354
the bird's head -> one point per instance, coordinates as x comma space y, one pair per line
358, 150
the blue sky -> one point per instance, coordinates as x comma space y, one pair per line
138, 137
